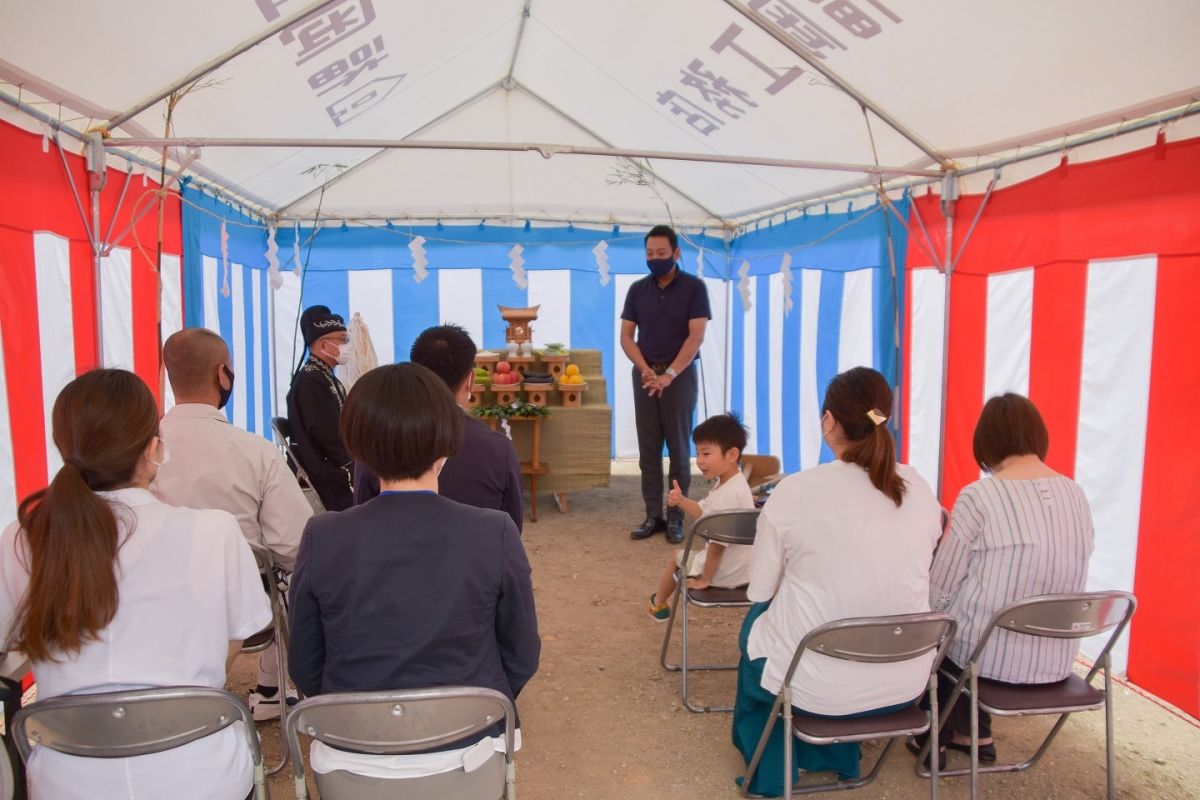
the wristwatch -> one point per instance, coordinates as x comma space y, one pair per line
671, 371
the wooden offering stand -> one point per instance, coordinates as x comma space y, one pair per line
572, 394
537, 393
506, 393
555, 364
520, 364
534, 468
488, 361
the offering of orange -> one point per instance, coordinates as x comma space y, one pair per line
571, 370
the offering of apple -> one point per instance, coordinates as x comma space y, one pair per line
504, 375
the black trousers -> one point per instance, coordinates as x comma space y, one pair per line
959, 720
665, 419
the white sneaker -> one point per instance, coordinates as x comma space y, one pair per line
264, 708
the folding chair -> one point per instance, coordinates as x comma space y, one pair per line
405, 722
136, 723
276, 633
729, 527
760, 469
1057, 616
283, 438
14, 668
8, 781
875, 640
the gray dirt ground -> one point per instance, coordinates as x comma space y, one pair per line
603, 720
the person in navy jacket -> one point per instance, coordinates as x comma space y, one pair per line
410, 589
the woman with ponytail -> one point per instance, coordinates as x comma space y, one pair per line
105, 589
850, 538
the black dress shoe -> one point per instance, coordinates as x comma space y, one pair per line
987, 752
915, 746
651, 526
674, 530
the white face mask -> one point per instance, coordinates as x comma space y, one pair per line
343, 353
165, 455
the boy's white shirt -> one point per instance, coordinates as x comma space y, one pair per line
734, 569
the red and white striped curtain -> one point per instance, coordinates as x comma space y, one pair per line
1081, 289
48, 297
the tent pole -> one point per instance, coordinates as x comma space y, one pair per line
217, 61
96, 161
949, 201
431, 218
547, 150
205, 177
146, 209
1112, 132
776, 33
848, 192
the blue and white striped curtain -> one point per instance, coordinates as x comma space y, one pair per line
471, 271
765, 361
232, 296
812, 297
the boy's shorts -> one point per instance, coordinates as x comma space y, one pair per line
695, 569
696, 559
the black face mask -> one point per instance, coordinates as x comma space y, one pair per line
660, 267
223, 393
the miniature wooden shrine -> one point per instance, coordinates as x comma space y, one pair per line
519, 329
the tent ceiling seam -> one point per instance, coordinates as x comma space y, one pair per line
479, 95
217, 61
595, 135
512, 62
752, 175
776, 33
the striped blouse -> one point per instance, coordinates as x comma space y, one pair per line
1011, 539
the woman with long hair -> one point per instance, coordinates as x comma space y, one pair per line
106, 589
850, 538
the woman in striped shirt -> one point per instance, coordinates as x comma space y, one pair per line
1025, 530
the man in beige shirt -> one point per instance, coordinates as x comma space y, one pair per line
212, 464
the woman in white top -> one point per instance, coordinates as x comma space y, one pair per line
850, 538
105, 589
1023, 531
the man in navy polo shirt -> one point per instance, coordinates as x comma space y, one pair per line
669, 310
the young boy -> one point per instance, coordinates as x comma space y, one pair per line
719, 444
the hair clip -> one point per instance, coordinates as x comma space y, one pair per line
876, 417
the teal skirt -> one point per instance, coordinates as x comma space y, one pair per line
752, 708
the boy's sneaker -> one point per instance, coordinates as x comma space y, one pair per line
264, 708
658, 613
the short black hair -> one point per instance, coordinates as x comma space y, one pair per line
663, 230
724, 430
447, 351
399, 419
1009, 425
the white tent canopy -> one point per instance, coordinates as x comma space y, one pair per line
963, 81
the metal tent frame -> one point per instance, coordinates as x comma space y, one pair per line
98, 142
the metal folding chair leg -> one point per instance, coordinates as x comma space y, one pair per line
679, 607
752, 767
281, 639
975, 769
